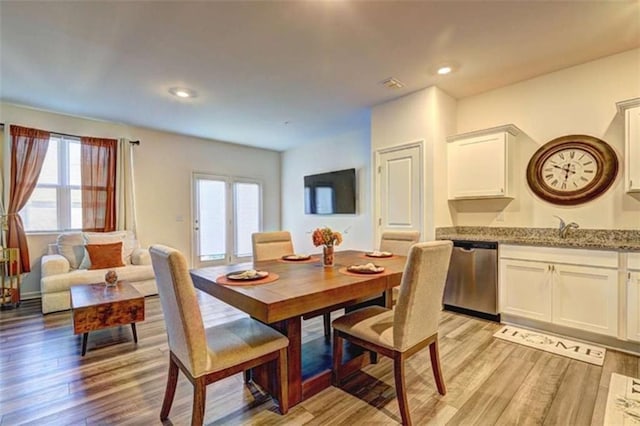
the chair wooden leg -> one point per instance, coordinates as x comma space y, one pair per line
337, 358
435, 366
327, 325
170, 391
401, 389
247, 376
199, 400
282, 372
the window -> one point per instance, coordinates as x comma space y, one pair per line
56, 203
227, 211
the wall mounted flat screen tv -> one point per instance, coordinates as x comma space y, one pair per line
330, 193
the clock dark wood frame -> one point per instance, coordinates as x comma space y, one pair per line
606, 169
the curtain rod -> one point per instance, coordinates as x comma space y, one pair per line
137, 142
79, 137
76, 136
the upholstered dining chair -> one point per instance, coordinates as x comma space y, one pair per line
398, 242
205, 355
274, 245
411, 326
271, 245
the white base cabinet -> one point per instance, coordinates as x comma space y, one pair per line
525, 289
633, 297
569, 287
585, 298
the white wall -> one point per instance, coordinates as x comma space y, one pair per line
344, 151
576, 100
164, 164
427, 115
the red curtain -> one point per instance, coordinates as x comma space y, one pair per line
28, 150
98, 175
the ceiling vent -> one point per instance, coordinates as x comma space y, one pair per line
392, 83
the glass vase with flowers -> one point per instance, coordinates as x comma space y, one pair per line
326, 238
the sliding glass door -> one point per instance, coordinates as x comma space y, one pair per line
227, 210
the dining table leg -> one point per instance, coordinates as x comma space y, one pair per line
266, 377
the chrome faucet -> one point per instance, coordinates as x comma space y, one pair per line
565, 227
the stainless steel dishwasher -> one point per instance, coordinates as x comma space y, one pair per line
472, 282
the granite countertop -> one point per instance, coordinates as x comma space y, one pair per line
604, 239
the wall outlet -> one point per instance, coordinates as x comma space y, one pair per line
179, 218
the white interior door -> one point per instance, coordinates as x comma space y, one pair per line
400, 189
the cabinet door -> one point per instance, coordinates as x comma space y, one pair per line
586, 298
477, 166
633, 306
632, 149
525, 289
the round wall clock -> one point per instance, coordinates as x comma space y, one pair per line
572, 169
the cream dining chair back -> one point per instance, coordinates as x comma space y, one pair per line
207, 354
274, 245
398, 242
271, 245
411, 326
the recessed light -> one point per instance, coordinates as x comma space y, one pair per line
183, 92
444, 70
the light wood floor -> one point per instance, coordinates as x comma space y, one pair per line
44, 380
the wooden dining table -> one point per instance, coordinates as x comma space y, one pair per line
303, 289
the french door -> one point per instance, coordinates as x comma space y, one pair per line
227, 210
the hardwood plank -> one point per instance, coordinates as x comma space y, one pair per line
575, 399
487, 404
532, 400
45, 381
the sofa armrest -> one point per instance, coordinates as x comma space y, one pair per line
140, 256
54, 264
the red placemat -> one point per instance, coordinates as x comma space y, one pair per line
364, 255
223, 280
343, 270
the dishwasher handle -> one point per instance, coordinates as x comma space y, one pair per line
469, 245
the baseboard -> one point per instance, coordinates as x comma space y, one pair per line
31, 295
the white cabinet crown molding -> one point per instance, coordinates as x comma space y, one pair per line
622, 106
509, 128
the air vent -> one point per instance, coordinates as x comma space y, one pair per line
392, 83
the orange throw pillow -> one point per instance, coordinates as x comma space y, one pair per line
104, 256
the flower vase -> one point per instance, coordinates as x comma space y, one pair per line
327, 256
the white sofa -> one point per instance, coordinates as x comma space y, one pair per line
63, 267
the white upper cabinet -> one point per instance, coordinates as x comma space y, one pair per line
480, 163
631, 110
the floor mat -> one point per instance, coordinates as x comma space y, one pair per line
623, 401
554, 344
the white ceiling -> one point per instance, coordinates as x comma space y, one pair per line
256, 65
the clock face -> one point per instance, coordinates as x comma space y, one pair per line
572, 169
569, 169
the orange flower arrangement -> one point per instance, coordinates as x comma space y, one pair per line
326, 237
